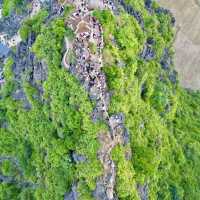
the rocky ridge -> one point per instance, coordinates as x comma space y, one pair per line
88, 32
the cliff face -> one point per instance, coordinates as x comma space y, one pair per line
187, 40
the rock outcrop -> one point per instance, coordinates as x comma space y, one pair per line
72, 195
143, 191
130, 10
148, 51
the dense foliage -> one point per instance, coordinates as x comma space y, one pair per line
44, 137
156, 108
9, 6
163, 120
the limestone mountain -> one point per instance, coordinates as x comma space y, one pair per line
90, 103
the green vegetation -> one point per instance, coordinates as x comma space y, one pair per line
157, 112
9, 6
33, 25
186, 131
125, 178
163, 120
43, 137
92, 47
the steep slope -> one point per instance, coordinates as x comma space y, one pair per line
91, 106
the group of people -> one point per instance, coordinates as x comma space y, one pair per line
89, 62
88, 70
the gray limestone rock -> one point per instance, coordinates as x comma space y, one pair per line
39, 71
173, 77
100, 192
143, 191
19, 95
94, 4
78, 158
148, 5
130, 10
121, 63
147, 53
4, 50
126, 138
166, 60
72, 195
